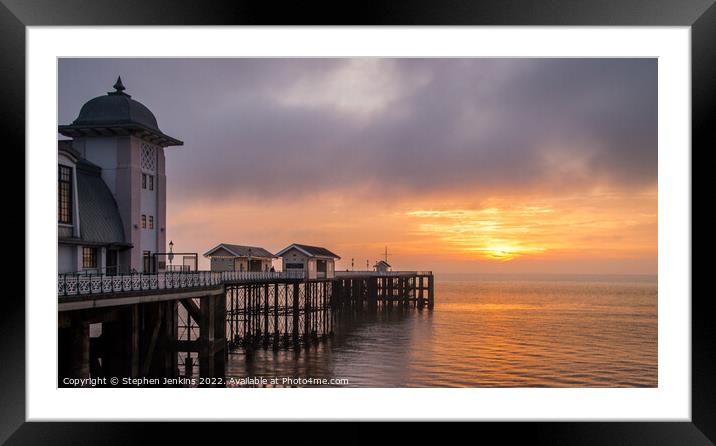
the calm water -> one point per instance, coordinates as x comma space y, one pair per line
491, 332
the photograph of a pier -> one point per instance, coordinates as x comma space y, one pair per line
357, 222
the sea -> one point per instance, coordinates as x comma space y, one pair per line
484, 331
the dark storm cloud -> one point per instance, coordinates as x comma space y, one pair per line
291, 127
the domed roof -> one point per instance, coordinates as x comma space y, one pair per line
115, 107
117, 113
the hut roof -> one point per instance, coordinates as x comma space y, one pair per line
311, 251
241, 251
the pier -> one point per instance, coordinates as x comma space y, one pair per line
168, 325
169, 320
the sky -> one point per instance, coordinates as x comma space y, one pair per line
456, 165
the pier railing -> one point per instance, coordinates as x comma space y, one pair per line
229, 276
382, 273
81, 284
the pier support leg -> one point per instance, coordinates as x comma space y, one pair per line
355, 294
275, 316
402, 291
421, 291
295, 329
308, 295
220, 349
73, 352
206, 337
121, 354
212, 332
373, 292
266, 333
431, 292
391, 292
158, 332
171, 357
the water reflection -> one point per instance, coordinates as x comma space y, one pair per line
485, 334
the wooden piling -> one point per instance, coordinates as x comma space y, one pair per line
373, 292
206, 336
431, 292
307, 312
188, 366
421, 289
275, 316
120, 357
219, 347
266, 316
296, 309
73, 351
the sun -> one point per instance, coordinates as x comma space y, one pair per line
500, 254
504, 253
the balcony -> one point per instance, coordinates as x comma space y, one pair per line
87, 284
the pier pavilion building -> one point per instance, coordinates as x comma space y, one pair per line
112, 187
228, 257
316, 262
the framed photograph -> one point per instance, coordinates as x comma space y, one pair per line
359, 223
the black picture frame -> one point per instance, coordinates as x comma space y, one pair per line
700, 15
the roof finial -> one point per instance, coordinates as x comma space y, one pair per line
118, 85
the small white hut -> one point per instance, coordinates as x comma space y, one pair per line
228, 257
381, 266
316, 262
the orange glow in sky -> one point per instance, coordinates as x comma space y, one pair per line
598, 232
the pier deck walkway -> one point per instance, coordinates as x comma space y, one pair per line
160, 324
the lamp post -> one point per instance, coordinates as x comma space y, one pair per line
171, 254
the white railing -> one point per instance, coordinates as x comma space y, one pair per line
81, 284
382, 273
231, 276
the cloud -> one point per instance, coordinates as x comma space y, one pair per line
359, 88
280, 129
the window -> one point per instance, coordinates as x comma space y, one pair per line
151, 182
147, 260
64, 195
144, 221
294, 266
144, 181
111, 262
89, 257
151, 222
148, 159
